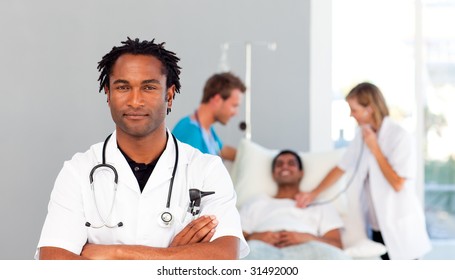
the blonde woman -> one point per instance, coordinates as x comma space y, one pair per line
385, 157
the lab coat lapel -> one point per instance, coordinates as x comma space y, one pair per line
375, 173
383, 131
163, 169
115, 157
162, 173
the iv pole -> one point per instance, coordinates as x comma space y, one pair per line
246, 125
248, 91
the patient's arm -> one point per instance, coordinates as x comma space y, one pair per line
289, 238
303, 199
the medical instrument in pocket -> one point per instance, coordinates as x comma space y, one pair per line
165, 218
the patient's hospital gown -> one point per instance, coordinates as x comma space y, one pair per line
264, 213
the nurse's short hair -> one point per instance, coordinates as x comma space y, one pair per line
167, 58
222, 84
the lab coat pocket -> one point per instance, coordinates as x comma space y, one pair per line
183, 218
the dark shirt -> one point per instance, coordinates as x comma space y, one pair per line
141, 171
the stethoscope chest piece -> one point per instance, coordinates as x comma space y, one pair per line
165, 219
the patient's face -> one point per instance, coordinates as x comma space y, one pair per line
286, 170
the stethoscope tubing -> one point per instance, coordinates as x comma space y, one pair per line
201, 130
166, 216
356, 169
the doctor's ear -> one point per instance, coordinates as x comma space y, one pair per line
106, 91
169, 98
170, 94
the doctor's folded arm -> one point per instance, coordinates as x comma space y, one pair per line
142, 194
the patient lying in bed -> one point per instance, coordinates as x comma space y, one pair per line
276, 229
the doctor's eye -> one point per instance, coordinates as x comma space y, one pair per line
122, 88
149, 88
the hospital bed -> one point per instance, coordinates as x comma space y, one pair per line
251, 175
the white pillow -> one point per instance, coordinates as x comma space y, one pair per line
251, 173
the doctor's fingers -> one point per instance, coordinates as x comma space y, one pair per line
202, 231
303, 199
208, 236
366, 129
196, 231
186, 240
368, 133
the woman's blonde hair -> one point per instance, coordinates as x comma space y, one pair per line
370, 95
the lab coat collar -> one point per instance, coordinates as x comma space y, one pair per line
163, 169
161, 173
384, 128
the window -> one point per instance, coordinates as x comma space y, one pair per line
375, 41
366, 47
439, 89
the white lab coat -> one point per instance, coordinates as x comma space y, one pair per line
71, 204
399, 215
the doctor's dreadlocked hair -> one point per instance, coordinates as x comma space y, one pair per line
167, 58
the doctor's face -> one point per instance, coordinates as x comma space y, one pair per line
363, 115
138, 97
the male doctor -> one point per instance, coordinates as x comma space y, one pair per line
145, 215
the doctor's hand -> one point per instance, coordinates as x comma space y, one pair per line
303, 199
370, 137
200, 230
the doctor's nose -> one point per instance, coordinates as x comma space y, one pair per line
135, 98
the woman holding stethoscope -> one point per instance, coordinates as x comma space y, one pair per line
383, 159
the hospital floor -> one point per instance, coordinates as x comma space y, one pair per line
442, 250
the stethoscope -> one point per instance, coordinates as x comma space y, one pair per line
165, 218
356, 169
201, 129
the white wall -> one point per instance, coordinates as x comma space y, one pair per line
51, 107
320, 91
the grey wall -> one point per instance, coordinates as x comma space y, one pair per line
50, 107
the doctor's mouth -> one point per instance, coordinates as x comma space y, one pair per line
135, 116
